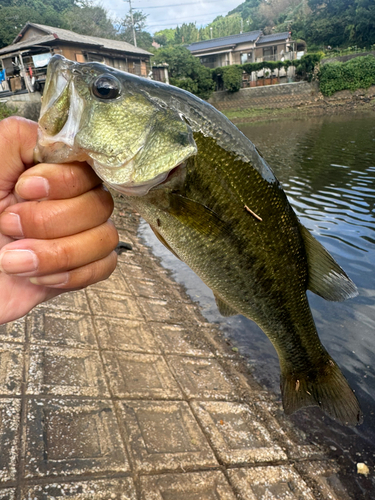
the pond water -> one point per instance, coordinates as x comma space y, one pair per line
327, 168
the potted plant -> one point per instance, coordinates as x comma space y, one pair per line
267, 79
275, 79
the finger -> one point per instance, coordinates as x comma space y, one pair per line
17, 142
56, 181
57, 218
80, 277
31, 257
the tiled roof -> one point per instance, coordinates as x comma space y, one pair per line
276, 37
251, 36
69, 36
41, 40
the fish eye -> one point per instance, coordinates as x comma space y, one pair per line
106, 87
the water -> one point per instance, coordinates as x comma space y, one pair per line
327, 169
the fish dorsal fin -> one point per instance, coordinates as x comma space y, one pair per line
326, 278
162, 240
223, 307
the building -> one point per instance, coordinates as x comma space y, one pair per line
247, 47
25, 61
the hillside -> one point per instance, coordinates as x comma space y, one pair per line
335, 23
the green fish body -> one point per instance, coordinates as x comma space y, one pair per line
214, 202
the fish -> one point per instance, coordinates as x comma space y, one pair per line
213, 201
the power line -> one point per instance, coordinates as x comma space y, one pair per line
175, 5
185, 18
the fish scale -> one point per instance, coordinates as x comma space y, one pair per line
214, 202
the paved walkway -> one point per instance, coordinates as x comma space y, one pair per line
123, 391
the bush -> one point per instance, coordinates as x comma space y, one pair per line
5, 111
186, 71
306, 65
351, 75
232, 78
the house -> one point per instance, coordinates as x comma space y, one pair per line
252, 46
25, 61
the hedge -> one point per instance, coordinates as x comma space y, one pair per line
351, 75
231, 76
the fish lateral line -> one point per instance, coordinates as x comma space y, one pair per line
253, 214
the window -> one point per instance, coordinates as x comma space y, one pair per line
209, 61
80, 58
95, 57
246, 57
270, 53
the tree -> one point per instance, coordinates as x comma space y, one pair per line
13, 19
165, 37
365, 22
144, 39
186, 71
89, 19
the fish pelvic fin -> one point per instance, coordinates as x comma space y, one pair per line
162, 240
326, 277
326, 388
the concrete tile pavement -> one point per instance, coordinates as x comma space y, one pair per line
123, 391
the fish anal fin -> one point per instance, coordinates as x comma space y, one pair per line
327, 388
162, 240
224, 308
326, 277
196, 215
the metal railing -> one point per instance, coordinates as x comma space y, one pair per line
277, 57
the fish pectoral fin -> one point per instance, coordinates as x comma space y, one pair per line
325, 277
224, 308
326, 388
196, 215
162, 240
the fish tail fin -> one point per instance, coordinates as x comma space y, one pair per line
327, 388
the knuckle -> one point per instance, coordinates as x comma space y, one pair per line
103, 196
63, 256
104, 268
69, 177
112, 234
40, 220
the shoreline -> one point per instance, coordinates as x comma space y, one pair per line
301, 111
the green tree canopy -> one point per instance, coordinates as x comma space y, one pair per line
13, 19
144, 39
186, 71
88, 18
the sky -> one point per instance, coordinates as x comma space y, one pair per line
164, 14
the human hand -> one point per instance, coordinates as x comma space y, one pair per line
55, 235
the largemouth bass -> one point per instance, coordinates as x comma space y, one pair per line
212, 200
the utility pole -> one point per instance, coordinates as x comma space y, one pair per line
132, 19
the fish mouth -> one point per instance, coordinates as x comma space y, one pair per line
175, 175
60, 116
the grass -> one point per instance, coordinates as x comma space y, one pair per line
5, 111
258, 113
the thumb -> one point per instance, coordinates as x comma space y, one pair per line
17, 141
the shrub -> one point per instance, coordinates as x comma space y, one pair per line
186, 71
306, 65
5, 111
232, 78
351, 75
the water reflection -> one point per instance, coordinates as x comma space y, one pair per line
327, 169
